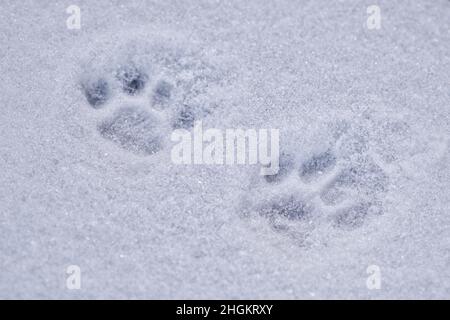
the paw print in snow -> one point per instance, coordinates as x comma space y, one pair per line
133, 129
146, 100
328, 187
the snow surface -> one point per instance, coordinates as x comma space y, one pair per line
81, 186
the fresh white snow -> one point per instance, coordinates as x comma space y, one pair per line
80, 185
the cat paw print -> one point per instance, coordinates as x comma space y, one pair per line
144, 101
132, 125
332, 187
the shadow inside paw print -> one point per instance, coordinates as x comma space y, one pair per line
133, 129
133, 80
352, 217
185, 118
291, 208
162, 93
366, 179
317, 165
288, 216
97, 92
